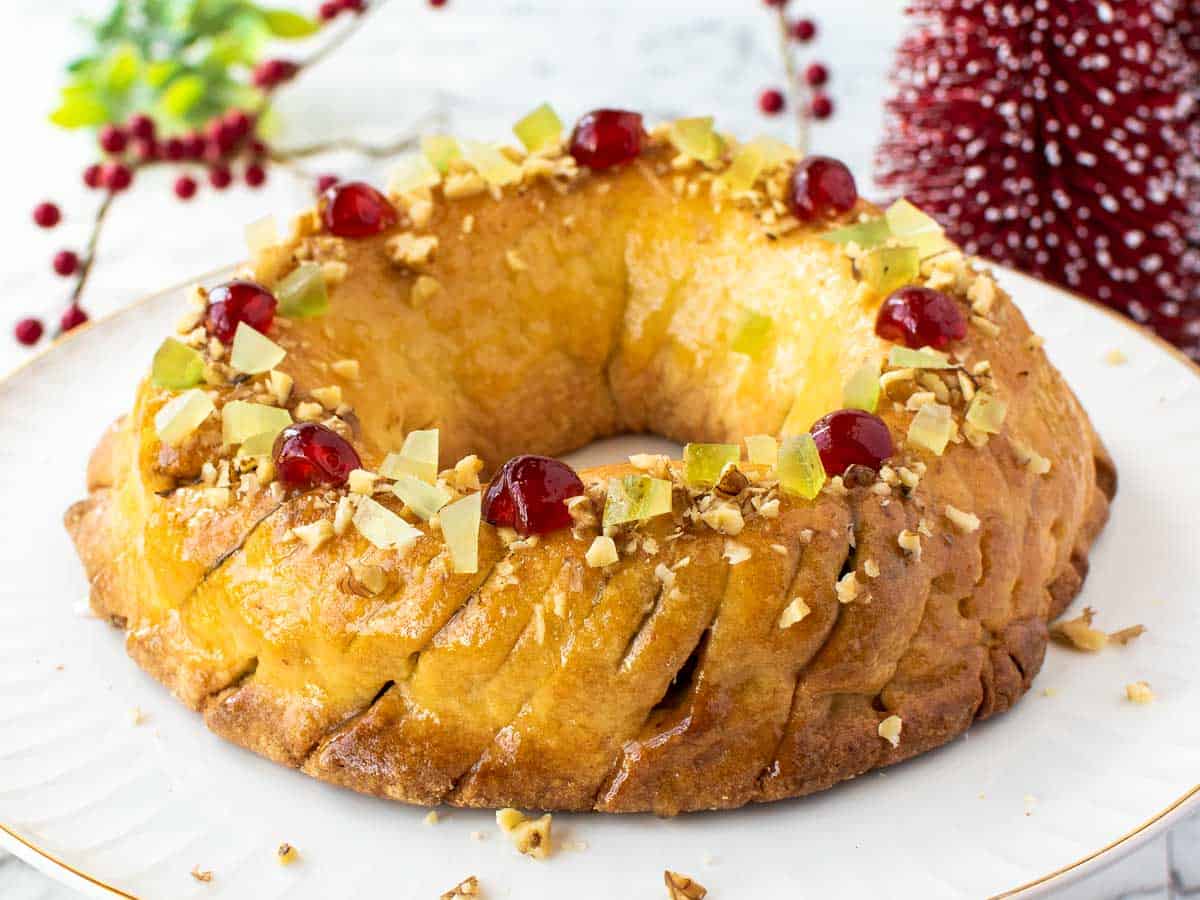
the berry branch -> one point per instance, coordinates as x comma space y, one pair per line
186, 88
804, 90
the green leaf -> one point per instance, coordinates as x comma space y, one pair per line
182, 94
159, 73
81, 107
121, 69
289, 26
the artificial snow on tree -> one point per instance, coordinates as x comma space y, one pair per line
1051, 135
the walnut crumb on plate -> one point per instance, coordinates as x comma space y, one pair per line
468, 887
681, 887
286, 854
202, 875
531, 837
1139, 692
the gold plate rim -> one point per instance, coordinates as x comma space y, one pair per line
1161, 343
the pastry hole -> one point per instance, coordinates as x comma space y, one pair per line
681, 684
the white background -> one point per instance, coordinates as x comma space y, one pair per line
480, 64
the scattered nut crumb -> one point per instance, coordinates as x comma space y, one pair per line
1079, 633
889, 730
602, 552
910, 543
136, 716
1139, 692
794, 612
479, 836
847, 588
286, 854
1116, 357
202, 875
735, 553
1030, 803
432, 817
425, 288
468, 887
346, 368
964, 521
680, 887
531, 837
1125, 635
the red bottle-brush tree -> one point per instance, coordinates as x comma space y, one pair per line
1051, 135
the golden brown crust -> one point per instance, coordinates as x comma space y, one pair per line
664, 682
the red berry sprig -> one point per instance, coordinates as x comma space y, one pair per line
806, 88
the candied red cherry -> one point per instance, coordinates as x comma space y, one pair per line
529, 494
852, 437
357, 210
605, 138
821, 188
239, 301
920, 317
311, 455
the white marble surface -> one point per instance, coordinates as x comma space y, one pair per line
479, 64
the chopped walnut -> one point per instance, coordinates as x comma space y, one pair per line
514, 262
910, 543
847, 588
871, 568
410, 251
367, 579
964, 521
314, 535
736, 553
889, 730
280, 385
1125, 635
432, 817
1139, 692
724, 518
425, 288
602, 552
464, 184
794, 612
420, 212
286, 854
681, 887
308, 411
344, 514
329, 397
345, 368
1116, 357
334, 272
468, 887
465, 476
1079, 632
360, 481
531, 837
1030, 458
202, 875
731, 481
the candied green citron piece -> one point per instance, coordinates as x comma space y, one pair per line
418, 457
253, 352
868, 235
440, 150
696, 138
493, 166
411, 173
886, 269
241, 420
635, 498
303, 294
541, 128
932, 427
747, 164
925, 358
751, 333
762, 449
799, 466
182, 415
914, 228
862, 388
987, 412
261, 444
177, 366
421, 497
382, 527
460, 527
702, 463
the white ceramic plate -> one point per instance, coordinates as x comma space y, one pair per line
1021, 799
